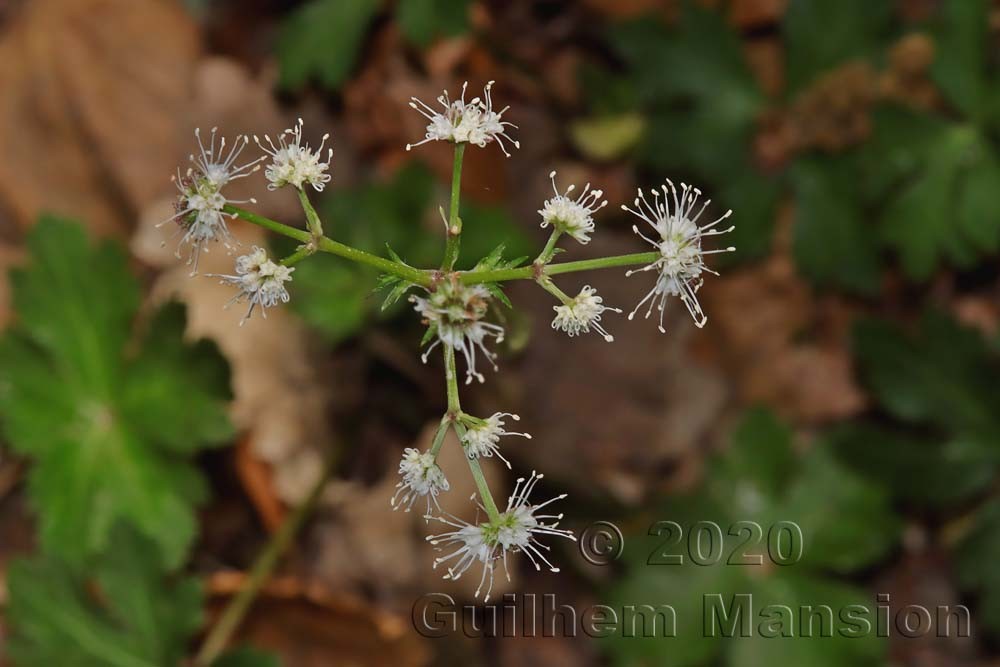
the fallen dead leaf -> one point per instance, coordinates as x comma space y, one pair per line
305, 623
787, 346
107, 126
629, 414
361, 542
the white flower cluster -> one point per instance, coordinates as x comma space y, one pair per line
474, 122
678, 240
456, 313
421, 477
482, 437
574, 217
199, 211
200, 208
583, 314
260, 281
516, 529
294, 163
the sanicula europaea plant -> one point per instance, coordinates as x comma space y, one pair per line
455, 305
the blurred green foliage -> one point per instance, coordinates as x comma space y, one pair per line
321, 41
921, 187
935, 442
846, 522
423, 20
139, 619
337, 298
123, 608
109, 419
110, 405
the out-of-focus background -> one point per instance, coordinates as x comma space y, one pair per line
846, 381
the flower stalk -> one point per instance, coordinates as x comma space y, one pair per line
236, 610
453, 244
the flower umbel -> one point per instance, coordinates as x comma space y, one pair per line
482, 436
199, 207
473, 122
583, 314
260, 282
572, 216
456, 311
294, 163
421, 477
517, 528
682, 259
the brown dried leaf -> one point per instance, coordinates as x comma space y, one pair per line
788, 348
362, 542
305, 623
93, 96
631, 411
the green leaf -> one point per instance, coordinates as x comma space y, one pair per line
920, 222
901, 141
846, 519
820, 35
174, 390
397, 292
759, 462
247, 657
976, 569
126, 613
754, 200
321, 40
833, 245
804, 594
846, 524
945, 374
423, 20
498, 294
429, 334
959, 67
110, 433
920, 469
696, 89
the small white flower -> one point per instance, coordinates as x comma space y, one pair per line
474, 122
260, 282
421, 477
456, 312
294, 163
516, 529
682, 259
482, 438
472, 544
200, 202
572, 216
583, 314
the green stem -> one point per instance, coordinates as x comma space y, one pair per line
439, 435
221, 633
451, 381
530, 272
334, 248
552, 289
454, 410
477, 474
303, 251
550, 248
454, 220
312, 218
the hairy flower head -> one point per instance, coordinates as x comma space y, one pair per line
678, 239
